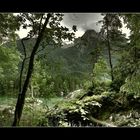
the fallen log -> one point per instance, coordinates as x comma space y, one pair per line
94, 120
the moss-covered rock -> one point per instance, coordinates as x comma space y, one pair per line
108, 108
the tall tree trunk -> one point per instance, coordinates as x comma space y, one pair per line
21, 96
32, 91
22, 65
109, 54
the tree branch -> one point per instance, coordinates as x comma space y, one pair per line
40, 22
21, 97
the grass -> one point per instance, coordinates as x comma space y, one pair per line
6, 100
32, 113
52, 101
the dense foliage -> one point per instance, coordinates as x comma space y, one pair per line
90, 82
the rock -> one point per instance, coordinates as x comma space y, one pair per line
34, 101
74, 94
5, 109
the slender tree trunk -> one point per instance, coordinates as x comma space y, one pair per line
109, 54
32, 91
22, 65
21, 96
20, 78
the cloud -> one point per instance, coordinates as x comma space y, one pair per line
84, 21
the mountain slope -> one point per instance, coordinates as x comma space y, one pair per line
72, 63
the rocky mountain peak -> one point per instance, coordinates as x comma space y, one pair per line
90, 34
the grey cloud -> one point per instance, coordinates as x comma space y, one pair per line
83, 21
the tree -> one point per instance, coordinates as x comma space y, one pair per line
9, 60
45, 28
111, 24
101, 70
131, 65
8, 54
8, 26
127, 70
132, 23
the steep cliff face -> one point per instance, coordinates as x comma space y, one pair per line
91, 36
89, 40
78, 56
72, 61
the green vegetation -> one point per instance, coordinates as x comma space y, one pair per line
95, 81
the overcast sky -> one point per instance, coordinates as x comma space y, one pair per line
83, 21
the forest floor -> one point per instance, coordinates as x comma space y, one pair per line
35, 110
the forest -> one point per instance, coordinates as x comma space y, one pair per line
51, 78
